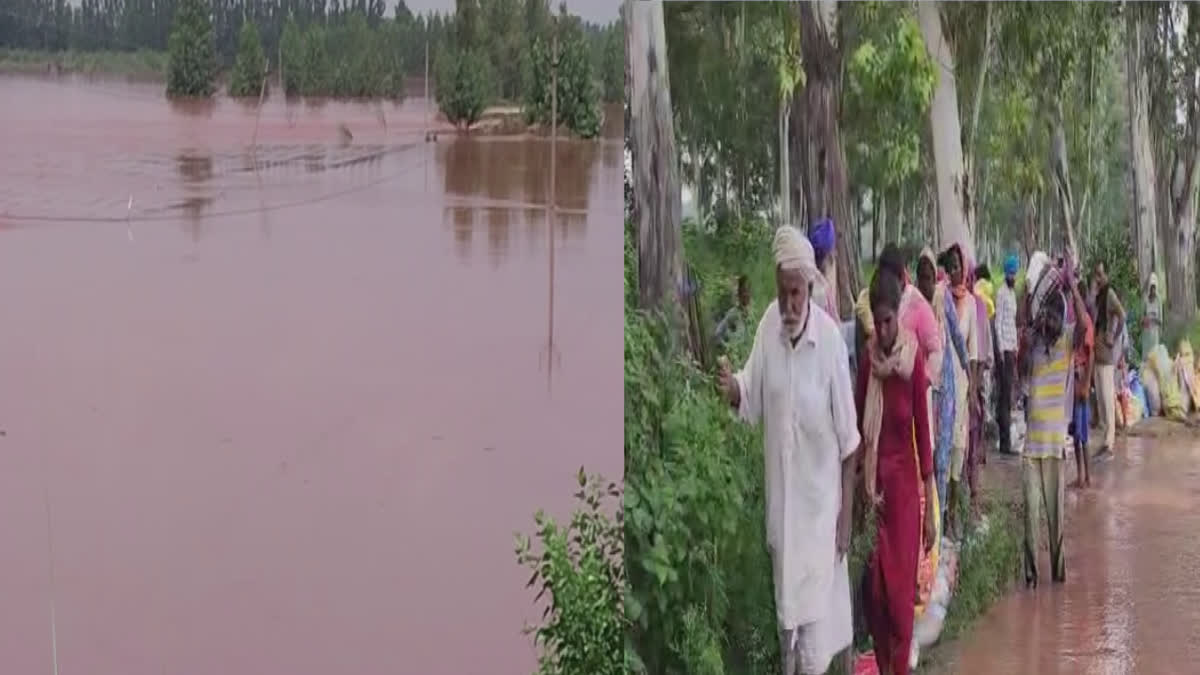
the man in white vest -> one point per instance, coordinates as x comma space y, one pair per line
796, 383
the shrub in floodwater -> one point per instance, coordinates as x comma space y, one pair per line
580, 571
578, 89
250, 69
461, 85
192, 65
291, 56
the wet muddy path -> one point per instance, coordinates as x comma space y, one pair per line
1131, 603
287, 406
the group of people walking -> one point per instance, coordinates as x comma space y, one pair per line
941, 360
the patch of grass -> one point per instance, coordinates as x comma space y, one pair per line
988, 563
142, 63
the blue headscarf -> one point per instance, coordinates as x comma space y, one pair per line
822, 237
1010, 265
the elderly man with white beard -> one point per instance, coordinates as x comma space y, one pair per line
796, 383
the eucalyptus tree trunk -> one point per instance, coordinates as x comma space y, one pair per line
656, 186
823, 183
1145, 217
954, 201
1180, 246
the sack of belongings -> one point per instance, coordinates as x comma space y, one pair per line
1168, 384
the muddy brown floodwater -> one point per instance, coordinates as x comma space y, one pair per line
1131, 603
288, 407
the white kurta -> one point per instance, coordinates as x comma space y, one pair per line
805, 400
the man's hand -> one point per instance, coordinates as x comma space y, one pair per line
843, 532
728, 384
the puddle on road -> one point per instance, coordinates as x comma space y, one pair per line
1131, 602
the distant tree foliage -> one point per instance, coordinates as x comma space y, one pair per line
462, 85
321, 43
578, 88
192, 67
249, 70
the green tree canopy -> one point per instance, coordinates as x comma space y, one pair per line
250, 68
578, 90
193, 63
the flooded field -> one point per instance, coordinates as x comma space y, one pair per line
281, 410
1130, 603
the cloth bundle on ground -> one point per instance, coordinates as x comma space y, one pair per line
1150, 387
1168, 385
1137, 404
1185, 372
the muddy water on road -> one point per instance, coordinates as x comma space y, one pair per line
1131, 602
289, 405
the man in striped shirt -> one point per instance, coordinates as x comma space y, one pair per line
1046, 355
1006, 339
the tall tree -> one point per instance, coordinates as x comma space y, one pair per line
193, 63
1144, 207
656, 186
817, 141
954, 199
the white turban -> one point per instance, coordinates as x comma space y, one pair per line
793, 251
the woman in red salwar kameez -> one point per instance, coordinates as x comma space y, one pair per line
893, 414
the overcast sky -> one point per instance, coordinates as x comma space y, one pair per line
596, 11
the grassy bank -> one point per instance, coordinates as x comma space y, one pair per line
701, 598
142, 64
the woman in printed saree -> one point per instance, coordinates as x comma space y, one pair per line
893, 416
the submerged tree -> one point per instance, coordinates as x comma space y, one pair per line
291, 58
250, 70
193, 62
578, 95
462, 85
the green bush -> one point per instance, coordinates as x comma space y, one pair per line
578, 89
580, 570
317, 73
291, 47
462, 85
250, 68
988, 563
192, 66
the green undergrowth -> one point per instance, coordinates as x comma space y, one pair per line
988, 564
701, 597
141, 63
701, 594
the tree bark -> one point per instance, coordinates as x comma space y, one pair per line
1180, 251
656, 187
823, 182
954, 201
1145, 218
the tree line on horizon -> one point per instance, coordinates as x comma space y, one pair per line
343, 48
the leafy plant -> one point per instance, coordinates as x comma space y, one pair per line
578, 91
292, 57
580, 570
462, 85
249, 71
192, 68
